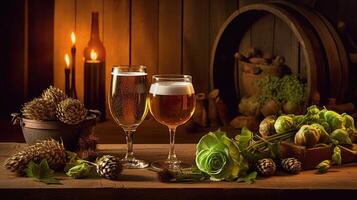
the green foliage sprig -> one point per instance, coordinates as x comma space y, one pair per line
77, 168
41, 172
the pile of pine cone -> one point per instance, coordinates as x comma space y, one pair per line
56, 156
54, 104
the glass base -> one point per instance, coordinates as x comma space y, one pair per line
134, 163
165, 164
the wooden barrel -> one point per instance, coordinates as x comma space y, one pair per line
334, 49
231, 33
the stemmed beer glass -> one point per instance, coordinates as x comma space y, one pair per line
128, 105
172, 103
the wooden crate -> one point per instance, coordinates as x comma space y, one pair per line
310, 157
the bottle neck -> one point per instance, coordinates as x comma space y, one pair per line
95, 27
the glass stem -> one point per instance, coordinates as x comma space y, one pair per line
172, 154
129, 141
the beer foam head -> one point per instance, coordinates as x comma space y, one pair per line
117, 73
171, 88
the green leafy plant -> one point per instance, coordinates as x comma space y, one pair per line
184, 175
291, 89
283, 90
219, 157
249, 178
41, 172
76, 167
269, 89
80, 171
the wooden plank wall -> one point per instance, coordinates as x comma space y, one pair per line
13, 58
26, 64
168, 36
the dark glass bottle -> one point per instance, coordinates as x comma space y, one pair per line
94, 69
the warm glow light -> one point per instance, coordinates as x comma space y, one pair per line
66, 58
93, 55
73, 38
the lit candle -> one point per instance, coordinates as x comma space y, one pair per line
73, 92
92, 81
67, 72
93, 56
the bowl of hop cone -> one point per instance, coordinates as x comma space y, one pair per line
53, 115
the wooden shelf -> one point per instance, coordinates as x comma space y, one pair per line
143, 184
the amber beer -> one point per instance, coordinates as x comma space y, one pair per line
172, 103
128, 98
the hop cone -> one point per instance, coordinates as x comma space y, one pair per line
266, 167
291, 165
39, 109
54, 94
109, 167
51, 150
71, 111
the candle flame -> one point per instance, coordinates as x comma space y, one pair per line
73, 38
93, 55
67, 59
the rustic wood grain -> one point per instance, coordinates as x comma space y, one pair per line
220, 10
283, 36
143, 184
244, 45
170, 37
294, 55
196, 43
263, 34
302, 64
144, 35
116, 36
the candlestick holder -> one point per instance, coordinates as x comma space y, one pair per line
73, 92
67, 73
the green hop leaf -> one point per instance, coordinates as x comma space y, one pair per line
323, 166
244, 138
79, 171
41, 172
219, 157
249, 178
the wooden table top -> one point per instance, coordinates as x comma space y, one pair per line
143, 183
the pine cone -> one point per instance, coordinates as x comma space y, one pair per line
39, 109
266, 167
291, 165
51, 150
54, 94
71, 111
109, 167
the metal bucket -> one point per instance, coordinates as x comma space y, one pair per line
35, 130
